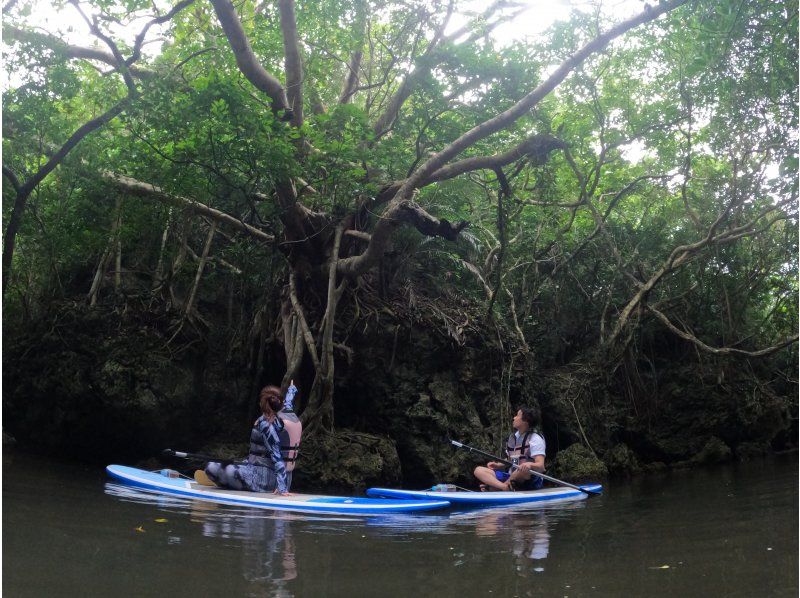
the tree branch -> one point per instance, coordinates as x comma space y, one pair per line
24, 191
119, 61
246, 59
504, 119
11, 33
350, 85
301, 319
393, 215
685, 253
412, 213
294, 64
137, 46
406, 212
718, 350
535, 147
12, 178
422, 66
140, 188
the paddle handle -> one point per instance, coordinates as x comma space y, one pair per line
193, 456
544, 476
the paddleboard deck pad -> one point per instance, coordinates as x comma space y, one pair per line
309, 503
544, 496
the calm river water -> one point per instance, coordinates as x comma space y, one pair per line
732, 531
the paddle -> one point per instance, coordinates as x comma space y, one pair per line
510, 464
193, 456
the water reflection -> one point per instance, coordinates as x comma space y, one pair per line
731, 531
268, 546
530, 536
527, 530
142, 495
268, 556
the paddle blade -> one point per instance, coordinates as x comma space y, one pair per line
591, 491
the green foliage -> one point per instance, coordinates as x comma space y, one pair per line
671, 126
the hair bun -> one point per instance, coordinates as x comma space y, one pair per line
272, 395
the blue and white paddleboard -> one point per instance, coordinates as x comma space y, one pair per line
309, 503
545, 496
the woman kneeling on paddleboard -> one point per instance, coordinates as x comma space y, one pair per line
264, 469
525, 447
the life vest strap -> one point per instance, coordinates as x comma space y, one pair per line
523, 447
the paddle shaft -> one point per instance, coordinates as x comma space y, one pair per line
193, 456
513, 466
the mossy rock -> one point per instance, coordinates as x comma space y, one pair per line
621, 461
578, 464
655, 467
714, 451
347, 459
747, 451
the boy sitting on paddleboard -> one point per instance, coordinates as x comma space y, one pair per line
526, 448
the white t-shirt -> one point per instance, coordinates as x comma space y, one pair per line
535, 442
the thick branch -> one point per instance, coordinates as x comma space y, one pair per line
504, 119
11, 33
389, 115
422, 66
394, 211
350, 85
294, 64
301, 319
683, 254
135, 187
246, 59
329, 318
719, 350
535, 147
137, 46
431, 226
406, 212
9, 174
24, 191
